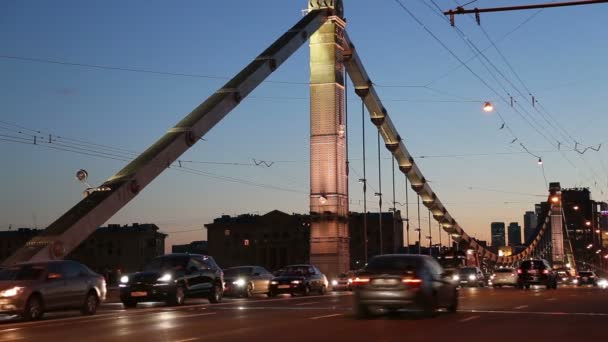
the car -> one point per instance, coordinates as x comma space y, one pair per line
31, 289
394, 282
298, 279
245, 281
536, 272
343, 282
563, 276
172, 278
504, 276
586, 278
471, 276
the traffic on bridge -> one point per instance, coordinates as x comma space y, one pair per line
351, 268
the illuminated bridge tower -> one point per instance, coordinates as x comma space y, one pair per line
329, 241
557, 228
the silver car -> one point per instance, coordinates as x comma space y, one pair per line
31, 289
504, 276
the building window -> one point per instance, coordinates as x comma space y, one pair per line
246, 242
226, 232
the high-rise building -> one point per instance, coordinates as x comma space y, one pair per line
498, 233
530, 225
514, 234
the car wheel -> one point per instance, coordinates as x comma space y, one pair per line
216, 294
271, 294
248, 291
323, 290
90, 305
306, 291
453, 307
527, 286
34, 309
178, 297
129, 304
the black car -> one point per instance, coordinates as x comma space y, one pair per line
586, 278
395, 282
245, 281
298, 279
173, 277
471, 276
536, 272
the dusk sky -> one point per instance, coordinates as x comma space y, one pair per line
105, 116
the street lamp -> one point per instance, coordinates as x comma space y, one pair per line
488, 107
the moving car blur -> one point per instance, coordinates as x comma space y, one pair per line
471, 277
173, 277
31, 289
394, 282
245, 281
504, 276
536, 272
586, 278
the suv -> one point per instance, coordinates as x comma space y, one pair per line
471, 276
172, 278
536, 272
298, 279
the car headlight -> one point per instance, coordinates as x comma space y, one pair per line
124, 279
455, 277
274, 282
296, 281
239, 282
472, 277
350, 280
13, 291
334, 282
166, 277
603, 283
575, 281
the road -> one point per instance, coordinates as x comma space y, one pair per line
485, 314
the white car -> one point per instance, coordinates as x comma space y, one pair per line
504, 276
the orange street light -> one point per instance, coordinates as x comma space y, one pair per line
488, 107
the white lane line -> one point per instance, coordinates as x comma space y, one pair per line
308, 303
325, 316
551, 299
520, 307
201, 314
188, 339
538, 313
469, 318
11, 329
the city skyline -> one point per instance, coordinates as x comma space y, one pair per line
266, 166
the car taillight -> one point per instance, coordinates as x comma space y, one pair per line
545, 271
512, 274
360, 281
412, 282
519, 271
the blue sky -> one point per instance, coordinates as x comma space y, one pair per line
559, 54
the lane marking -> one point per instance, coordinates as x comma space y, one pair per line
309, 303
469, 318
551, 299
520, 307
188, 339
326, 316
201, 314
11, 329
599, 314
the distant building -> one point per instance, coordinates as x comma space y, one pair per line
277, 239
194, 247
498, 233
120, 248
530, 224
514, 234
108, 251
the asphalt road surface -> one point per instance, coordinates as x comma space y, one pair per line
485, 314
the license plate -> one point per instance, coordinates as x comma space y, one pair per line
584, 278
139, 294
283, 286
532, 271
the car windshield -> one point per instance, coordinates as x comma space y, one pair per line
504, 270
167, 264
392, 263
585, 274
532, 264
294, 270
24, 272
468, 270
238, 271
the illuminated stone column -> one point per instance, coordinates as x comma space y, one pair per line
557, 228
329, 241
